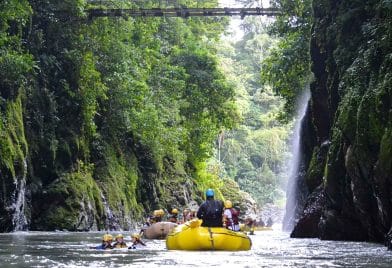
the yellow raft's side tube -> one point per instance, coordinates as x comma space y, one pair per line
191, 236
245, 228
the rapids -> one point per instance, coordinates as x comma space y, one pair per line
269, 249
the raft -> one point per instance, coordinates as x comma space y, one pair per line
159, 230
245, 228
263, 228
192, 236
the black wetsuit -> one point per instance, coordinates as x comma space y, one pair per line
211, 213
104, 246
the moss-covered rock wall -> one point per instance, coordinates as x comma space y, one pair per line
103, 120
13, 167
351, 51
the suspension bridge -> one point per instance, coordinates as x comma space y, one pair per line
182, 12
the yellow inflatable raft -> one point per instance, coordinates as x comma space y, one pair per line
191, 236
263, 228
245, 228
159, 230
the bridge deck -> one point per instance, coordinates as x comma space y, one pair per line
184, 12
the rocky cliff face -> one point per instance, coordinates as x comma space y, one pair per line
45, 187
63, 165
349, 175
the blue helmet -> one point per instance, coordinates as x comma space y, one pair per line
210, 193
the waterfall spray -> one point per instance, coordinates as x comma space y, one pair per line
295, 198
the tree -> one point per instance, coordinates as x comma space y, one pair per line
254, 153
287, 68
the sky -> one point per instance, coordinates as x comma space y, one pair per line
235, 22
232, 3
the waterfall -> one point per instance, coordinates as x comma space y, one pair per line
19, 220
109, 221
295, 198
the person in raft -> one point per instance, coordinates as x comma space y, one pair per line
119, 242
192, 214
136, 241
106, 242
186, 215
250, 225
173, 216
157, 216
154, 218
211, 211
230, 217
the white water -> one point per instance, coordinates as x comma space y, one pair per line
294, 162
269, 249
19, 220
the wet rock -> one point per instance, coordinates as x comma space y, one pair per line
307, 225
315, 172
388, 239
352, 68
336, 226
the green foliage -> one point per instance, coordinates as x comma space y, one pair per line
254, 153
110, 104
15, 63
208, 101
385, 152
13, 145
231, 191
91, 90
287, 68
118, 181
73, 195
208, 177
13, 11
14, 70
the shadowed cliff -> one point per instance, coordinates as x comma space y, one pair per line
349, 175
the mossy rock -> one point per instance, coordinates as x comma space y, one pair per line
72, 202
13, 161
315, 172
118, 178
385, 159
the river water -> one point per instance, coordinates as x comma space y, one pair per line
269, 249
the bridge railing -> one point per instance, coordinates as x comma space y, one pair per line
183, 12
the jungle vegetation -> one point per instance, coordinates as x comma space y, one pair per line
105, 118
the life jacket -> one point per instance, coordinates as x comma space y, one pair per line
213, 210
211, 213
173, 218
120, 245
234, 216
